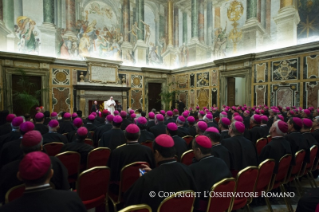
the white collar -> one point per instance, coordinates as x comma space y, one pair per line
40, 186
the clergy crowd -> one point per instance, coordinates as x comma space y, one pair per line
223, 143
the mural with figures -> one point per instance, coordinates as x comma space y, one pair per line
156, 34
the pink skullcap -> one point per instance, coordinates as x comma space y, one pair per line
264, 118
307, 122
236, 114
117, 119
190, 119
123, 114
288, 108
37, 108
26, 126
169, 113
133, 115
291, 112
77, 122
34, 165
297, 121
226, 109
238, 118
53, 123
116, 112
203, 141
172, 126
132, 128
151, 115
175, 111
131, 111
39, 116
17, 121
109, 118
202, 125
224, 113
240, 127
266, 107
257, 111
279, 107
281, 117
202, 113
190, 109
91, 117
197, 107
181, 118
214, 108
162, 112
212, 129
253, 109
164, 141
67, 115
10, 117
54, 114
74, 115
209, 116
142, 120
204, 108
257, 118
160, 117
225, 121
31, 138
82, 131
185, 114
233, 107
306, 111
105, 112
262, 111
283, 126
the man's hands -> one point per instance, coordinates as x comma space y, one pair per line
146, 169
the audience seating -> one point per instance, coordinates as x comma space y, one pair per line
92, 186
54, 148
268, 138
178, 202
89, 141
260, 144
148, 143
120, 145
98, 157
71, 160
188, 139
137, 208
216, 204
311, 166
187, 157
14, 193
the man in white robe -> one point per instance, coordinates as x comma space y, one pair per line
110, 105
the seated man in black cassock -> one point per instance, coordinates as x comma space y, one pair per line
77, 122
309, 202
294, 137
99, 121
145, 135
308, 139
182, 131
264, 129
255, 132
89, 124
14, 134
201, 127
210, 121
169, 117
179, 143
35, 170
6, 128
242, 152
246, 117
66, 124
103, 128
31, 141
125, 121
278, 146
191, 126
11, 151
176, 114
114, 137
217, 149
39, 119
53, 135
159, 127
151, 120
223, 126
168, 176
208, 170
133, 151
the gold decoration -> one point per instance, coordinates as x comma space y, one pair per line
60, 76
234, 13
136, 81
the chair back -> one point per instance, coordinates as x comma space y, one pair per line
313, 153
89, 141
295, 170
266, 169
188, 139
221, 204
179, 202
14, 193
92, 186
187, 157
71, 160
217, 119
120, 145
137, 208
98, 157
54, 148
268, 138
260, 144
283, 168
148, 144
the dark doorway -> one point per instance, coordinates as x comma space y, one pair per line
17, 104
154, 99
231, 91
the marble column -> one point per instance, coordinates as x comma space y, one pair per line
7, 30
1, 11
209, 23
251, 9
8, 13
185, 31
268, 16
176, 28
194, 22
287, 21
70, 18
140, 18
201, 21
126, 46
140, 48
259, 11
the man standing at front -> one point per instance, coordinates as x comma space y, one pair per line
110, 105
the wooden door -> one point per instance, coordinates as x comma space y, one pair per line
154, 99
230, 91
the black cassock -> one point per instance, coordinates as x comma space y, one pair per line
46, 199
8, 176
208, 171
146, 136
100, 130
264, 131
182, 131
307, 143
169, 121
169, 176
129, 153
270, 122
221, 152
315, 134
99, 121
212, 124
224, 135
112, 138
41, 128
66, 126
275, 149
242, 152
125, 123
309, 202
180, 145
150, 124
90, 126
254, 134
46, 121
295, 140
181, 107
10, 151
13, 135
192, 131
5, 129
158, 129
247, 122
54, 137
82, 148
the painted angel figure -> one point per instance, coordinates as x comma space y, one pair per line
134, 29
147, 32
220, 43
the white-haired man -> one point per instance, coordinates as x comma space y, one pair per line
95, 107
110, 105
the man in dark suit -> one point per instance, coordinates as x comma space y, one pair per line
160, 127
95, 107
35, 171
181, 106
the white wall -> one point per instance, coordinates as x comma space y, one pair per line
240, 91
